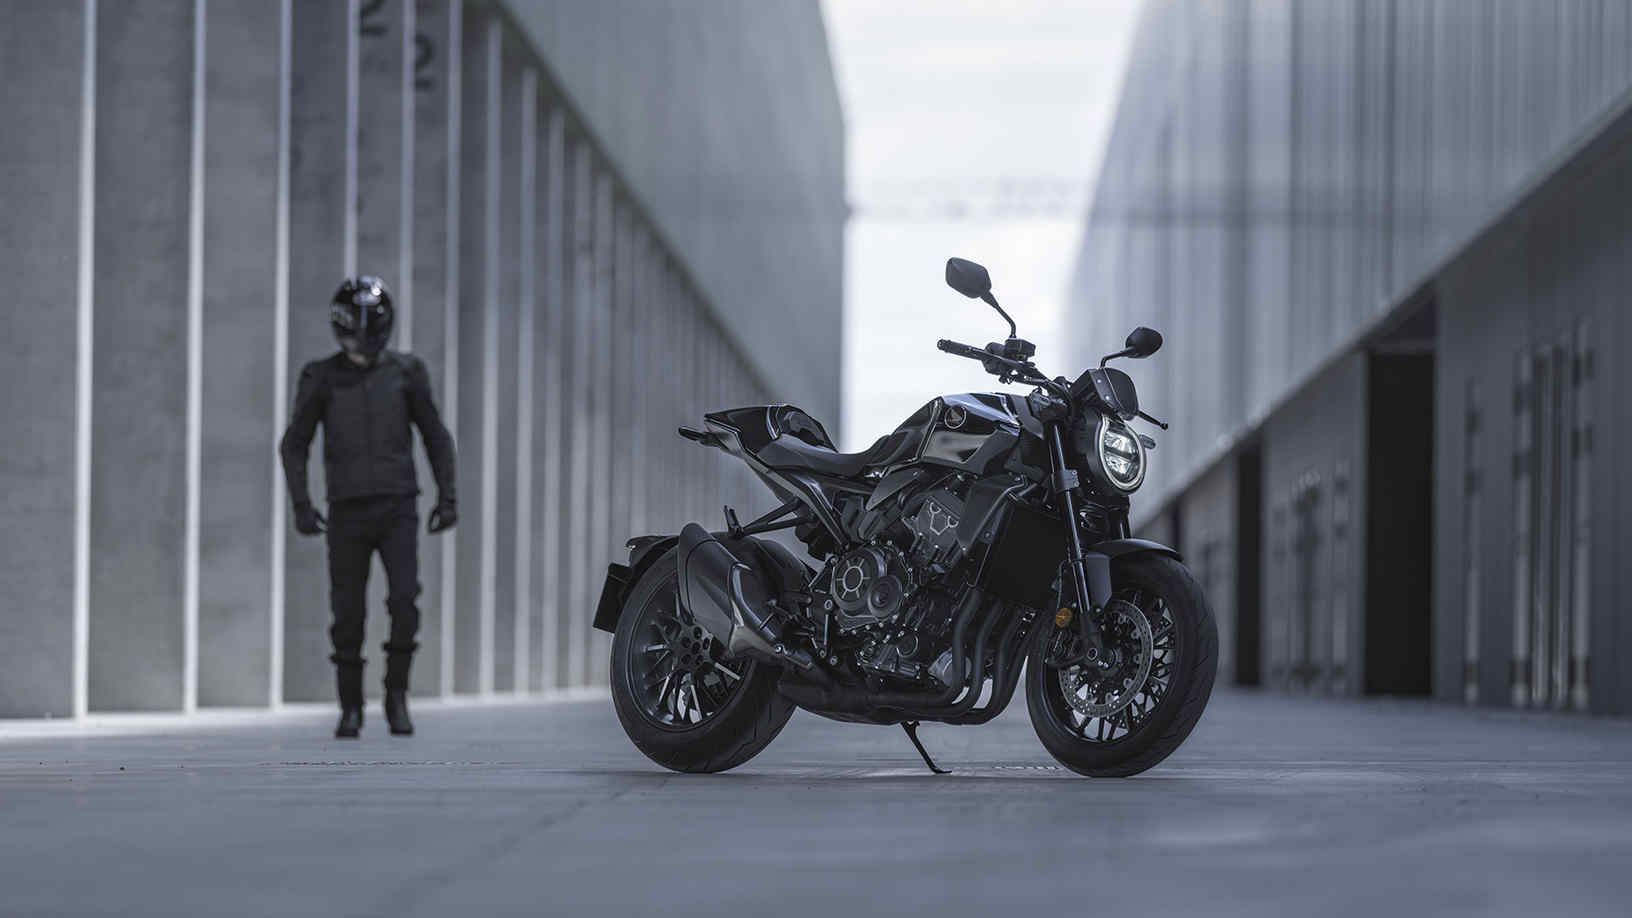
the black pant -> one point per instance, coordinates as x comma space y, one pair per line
357, 529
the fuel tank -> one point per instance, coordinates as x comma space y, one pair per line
972, 431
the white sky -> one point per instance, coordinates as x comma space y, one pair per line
996, 108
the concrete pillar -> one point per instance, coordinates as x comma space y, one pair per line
504, 369
438, 72
479, 235
384, 198
424, 287
242, 146
641, 329
675, 402
555, 348
321, 181
46, 86
600, 393
139, 393
526, 437
580, 433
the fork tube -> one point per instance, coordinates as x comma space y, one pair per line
1079, 573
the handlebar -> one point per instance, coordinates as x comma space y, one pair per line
1000, 366
962, 350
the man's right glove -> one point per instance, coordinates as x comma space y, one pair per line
308, 521
443, 516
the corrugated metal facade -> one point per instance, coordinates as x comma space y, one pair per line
1310, 198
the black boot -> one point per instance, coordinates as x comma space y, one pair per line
396, 693
348, 679
351, 723
396, 713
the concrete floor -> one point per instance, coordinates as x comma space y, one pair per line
1275, 806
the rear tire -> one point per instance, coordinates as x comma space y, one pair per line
751, 712
1090, 746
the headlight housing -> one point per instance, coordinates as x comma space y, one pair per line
1119, 454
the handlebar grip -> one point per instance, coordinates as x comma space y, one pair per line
962, 350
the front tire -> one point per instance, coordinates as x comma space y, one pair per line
1127, 722
683, 704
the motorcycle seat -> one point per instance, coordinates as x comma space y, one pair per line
791, 452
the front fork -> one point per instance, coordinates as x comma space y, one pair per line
1086, 570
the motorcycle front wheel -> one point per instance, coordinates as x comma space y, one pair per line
681, 702
1161, 656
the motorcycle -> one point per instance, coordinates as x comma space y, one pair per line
985, 537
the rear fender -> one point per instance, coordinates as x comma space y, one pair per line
643, 552
790, 574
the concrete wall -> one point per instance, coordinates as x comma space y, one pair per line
45, 86
1294, 189
1529, 586
198, 177
1313, 551
747, 186
1282, 173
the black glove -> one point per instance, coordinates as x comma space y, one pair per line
442, 517
308, 521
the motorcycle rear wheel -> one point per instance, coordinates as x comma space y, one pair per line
1160, 625
681, 703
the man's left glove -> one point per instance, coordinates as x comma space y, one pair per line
308, 521
442, 517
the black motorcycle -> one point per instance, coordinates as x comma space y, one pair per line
988, 531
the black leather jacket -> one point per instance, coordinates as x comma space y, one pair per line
367, 446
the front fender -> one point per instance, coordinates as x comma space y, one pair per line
1117, 548
1097, 560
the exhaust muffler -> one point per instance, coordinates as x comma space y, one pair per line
732, 601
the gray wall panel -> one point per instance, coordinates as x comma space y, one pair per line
240, 227
505, 360
42, 61
144, 118
381, 159
478, 229
1208, 527
317, 224
430, 299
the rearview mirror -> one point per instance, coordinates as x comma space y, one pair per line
1142, 342
968, 278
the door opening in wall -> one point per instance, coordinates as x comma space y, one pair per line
1399, 531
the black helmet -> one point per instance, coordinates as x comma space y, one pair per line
361, 315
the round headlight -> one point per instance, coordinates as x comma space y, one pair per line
1120, 454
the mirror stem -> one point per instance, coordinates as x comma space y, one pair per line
992, 301
1125, 352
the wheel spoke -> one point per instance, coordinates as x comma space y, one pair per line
671, 695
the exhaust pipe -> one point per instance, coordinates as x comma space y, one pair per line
732, 601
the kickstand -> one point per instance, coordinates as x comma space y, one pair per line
911, 726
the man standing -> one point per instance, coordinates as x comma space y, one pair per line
366, 397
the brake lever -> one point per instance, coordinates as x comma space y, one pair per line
1152, 420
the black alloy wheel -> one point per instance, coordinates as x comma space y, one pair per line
1130, 711
681, 700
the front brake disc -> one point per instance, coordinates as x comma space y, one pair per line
1093, 693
